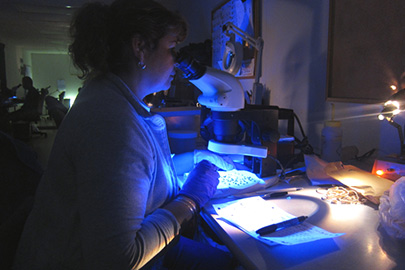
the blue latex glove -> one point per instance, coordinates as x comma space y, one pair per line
201, 183
223, 162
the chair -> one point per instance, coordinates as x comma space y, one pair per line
56, 110
37, 118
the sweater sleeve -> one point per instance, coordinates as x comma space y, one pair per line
115, 172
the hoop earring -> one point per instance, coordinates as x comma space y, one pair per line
141, 65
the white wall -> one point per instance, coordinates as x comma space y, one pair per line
198, 16
294, 68
48, 68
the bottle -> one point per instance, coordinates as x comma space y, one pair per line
332, 134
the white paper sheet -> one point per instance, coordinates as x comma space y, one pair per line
315, 168
253, 213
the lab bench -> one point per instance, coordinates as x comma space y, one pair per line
364, 245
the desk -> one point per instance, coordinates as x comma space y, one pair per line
364, 245
11, 104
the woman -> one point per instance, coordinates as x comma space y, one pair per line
109, 198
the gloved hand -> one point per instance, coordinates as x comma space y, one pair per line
201, 183
223, 162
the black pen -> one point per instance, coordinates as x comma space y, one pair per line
274, 195
281, 225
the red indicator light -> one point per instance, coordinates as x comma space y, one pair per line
379, 172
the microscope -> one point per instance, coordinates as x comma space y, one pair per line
232, 127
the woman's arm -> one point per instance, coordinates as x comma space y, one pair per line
115, 169
183, 162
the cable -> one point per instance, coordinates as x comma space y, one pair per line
282, 174
299, 125
366, 155
303, 145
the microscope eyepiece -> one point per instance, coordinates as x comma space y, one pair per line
190, 67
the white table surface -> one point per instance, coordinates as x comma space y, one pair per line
365, 245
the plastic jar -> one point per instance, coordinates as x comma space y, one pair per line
331, 141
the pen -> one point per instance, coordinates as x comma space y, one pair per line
274, 195
281, 225
267, 191
279, 190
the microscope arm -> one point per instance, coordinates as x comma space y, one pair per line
221, 91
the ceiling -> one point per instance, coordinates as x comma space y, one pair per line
38, 24
43, 25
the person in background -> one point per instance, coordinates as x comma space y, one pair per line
30, 108
29, 111
110, 198
31, 96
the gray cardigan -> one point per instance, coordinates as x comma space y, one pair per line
109, 172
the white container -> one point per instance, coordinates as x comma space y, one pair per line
331, 141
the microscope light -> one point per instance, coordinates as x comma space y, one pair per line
394, 106
391, 108
393, 103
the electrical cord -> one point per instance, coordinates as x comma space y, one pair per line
282, 173
366, 155
299, 124
303, 145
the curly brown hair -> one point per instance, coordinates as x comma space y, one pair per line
102, 33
